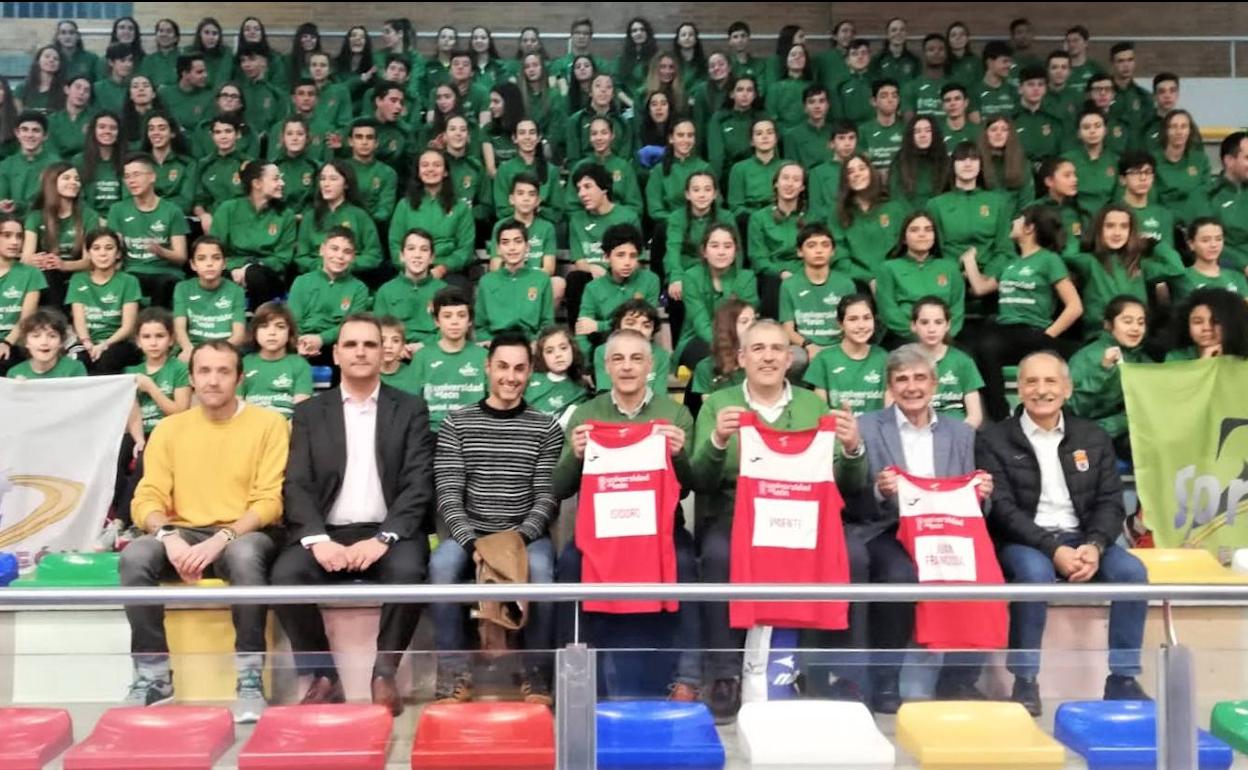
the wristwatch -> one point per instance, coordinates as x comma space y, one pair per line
166, 531
387, 538
230, 534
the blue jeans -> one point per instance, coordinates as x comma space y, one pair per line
650, 631
449, 564
1022, 564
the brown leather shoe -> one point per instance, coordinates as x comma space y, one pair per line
386, 693
324, 690
683, 693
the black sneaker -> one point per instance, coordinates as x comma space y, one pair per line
149, 692
724, 700
845, 690
1027, 692
886, 698
1124, 688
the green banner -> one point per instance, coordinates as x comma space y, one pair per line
1189, 435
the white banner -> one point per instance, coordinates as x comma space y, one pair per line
59, 441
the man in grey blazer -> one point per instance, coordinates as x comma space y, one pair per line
910, 436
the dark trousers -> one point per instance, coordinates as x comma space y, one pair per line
639, 668
263, 284
403, 564
114, 360
769, 295
17, 354
996, 346
577, 281
244, 562
159, 288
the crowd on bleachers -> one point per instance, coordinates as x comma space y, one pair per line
980, 205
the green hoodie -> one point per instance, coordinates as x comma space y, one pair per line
1098, 391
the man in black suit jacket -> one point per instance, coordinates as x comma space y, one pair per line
358, 483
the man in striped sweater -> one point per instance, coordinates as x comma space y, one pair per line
493, 473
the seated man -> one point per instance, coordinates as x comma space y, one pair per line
493, 472
909, 436
765, 356
358, 485
212, 484
631, 399
1056, 511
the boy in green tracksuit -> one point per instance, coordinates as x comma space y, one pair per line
597, 213
956, 127
515, 296
451, 371
808, 143
824, 181
217, 176
207, 307
995, 95
1060, 97
110, 93
319, 301
524, 198
264, 102
921, 96
810, 296
190, 100
20, 172
394, 371
1228, 199
1041, 131
641, 317
881, 137
853, 95
1132, 104
154, 231
409, 297
67, 127
376, 183
626, 279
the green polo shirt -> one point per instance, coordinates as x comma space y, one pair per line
319, 303
210, 313
921, 96
16, 283
990, 102
881, 143
274, 384
905, 280
585, 231
103, 303
603, 295
1025, 288
169, 377
856, 382
453, 233
956, 375
552, 393
312, 234
449, 380
520, 300
812, 306
1227, 280
751, 184
625, 188
65, 367
143, 229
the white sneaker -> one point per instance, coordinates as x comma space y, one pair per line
249, 703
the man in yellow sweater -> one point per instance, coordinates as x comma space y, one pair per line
211, 489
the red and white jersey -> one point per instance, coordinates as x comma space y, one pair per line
942, 528
787, 524
626, 517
